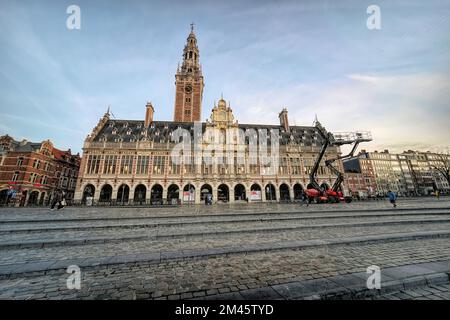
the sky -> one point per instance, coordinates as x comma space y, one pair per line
311, 57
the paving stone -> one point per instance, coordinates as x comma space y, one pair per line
172, 253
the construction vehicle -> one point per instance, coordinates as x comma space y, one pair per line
321, 194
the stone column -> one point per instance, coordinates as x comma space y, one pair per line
164, 194
215, 193
263, 194
131, 194
231, 195
198, 193
291, 193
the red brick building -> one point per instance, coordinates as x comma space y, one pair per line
356, 184
35, 170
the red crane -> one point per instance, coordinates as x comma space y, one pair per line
334, 194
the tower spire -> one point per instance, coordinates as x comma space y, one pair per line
189, 83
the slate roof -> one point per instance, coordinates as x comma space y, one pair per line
160, 131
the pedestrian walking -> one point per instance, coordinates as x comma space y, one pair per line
392, 198
9, 195
437, 194
58, 198
305, 198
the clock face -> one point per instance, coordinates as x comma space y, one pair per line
188, 89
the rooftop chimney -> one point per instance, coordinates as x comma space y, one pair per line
149, 114
284, 122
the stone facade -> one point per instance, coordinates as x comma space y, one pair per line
129, 161
409, 173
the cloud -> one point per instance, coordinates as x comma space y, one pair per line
401, 111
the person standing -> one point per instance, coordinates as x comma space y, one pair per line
437, 194
392, 198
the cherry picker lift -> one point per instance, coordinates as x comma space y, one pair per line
318, 193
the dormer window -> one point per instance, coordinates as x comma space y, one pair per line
125, 125
128, 132
111, 124
114, 131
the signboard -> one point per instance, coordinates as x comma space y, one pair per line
255, 195
188, 196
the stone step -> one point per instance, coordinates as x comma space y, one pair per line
203, 221
7, 270
348, 286
164, 236
56, 216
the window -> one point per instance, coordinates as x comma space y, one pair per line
44, 180
158, 164
239, 164
93, 164
36, 164
254, 164
15, 176
189, 165
126, 164
283, 168
187, 113
110, 164
207, 168
174, 167
32, 177
19, 161
222, 168
308, 164
142, 165
295, 165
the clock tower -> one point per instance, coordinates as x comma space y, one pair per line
189, 83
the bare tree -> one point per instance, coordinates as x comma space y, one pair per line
444, 166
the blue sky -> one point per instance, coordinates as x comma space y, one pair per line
312, 57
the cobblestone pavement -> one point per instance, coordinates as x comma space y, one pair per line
433, 292
102, 237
